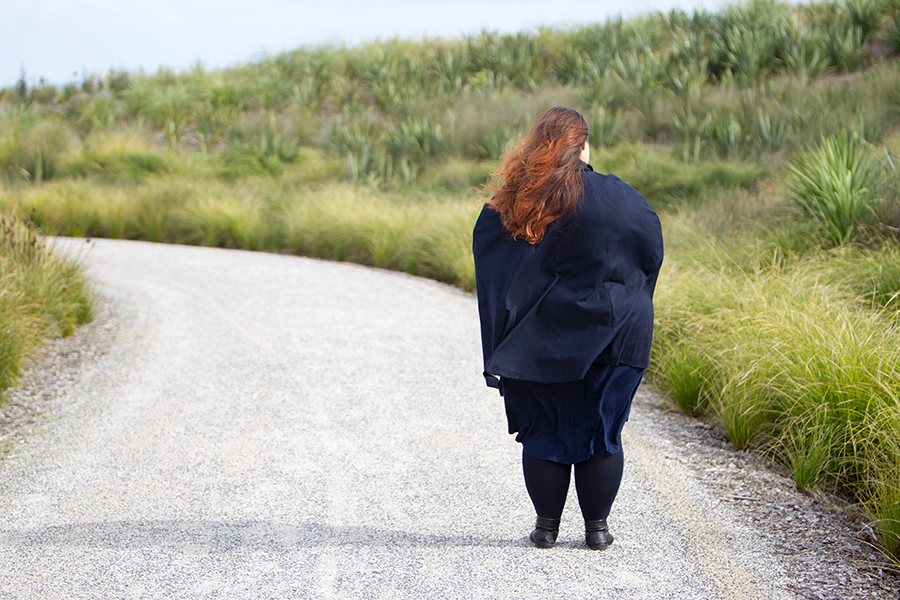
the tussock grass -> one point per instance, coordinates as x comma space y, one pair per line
428, 236
787, 358
41, 296
123, 155
33, 148
230, 222
666, 179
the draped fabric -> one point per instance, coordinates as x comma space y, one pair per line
584, 294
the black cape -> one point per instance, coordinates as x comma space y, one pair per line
583, 294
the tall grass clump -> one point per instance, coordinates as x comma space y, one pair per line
43, 295
430, 238
787, 359
32, 148
124, 155
229, 222
666, 180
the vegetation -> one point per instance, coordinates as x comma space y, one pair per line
42, 295
764, 134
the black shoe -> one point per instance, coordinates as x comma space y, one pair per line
545, 532
597, 535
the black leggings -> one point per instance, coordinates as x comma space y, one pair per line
596, 480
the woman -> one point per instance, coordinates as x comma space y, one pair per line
566, 262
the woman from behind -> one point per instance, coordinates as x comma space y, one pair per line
566, 262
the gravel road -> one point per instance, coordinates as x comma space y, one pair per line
269, 426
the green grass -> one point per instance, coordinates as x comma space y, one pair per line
123, 155
41, 296
787, 356
429, 235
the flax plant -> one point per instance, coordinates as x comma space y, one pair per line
100, 111
170, 108
800, 48
605, 126
835, 185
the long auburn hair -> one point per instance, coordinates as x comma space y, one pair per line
541, 177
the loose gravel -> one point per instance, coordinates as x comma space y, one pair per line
239, 425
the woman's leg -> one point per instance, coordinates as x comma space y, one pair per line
597, 481
548, 484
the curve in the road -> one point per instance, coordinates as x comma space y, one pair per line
271, 426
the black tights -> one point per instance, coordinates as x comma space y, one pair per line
596, 480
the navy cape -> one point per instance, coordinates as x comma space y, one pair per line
584, 293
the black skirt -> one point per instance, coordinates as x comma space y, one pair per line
571, 421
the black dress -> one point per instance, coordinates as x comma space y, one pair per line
571, 421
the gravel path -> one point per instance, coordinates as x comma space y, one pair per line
266, 426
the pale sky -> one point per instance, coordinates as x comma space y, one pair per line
61, 40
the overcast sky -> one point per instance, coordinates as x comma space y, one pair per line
60, 40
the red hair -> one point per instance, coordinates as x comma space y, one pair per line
541, 178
